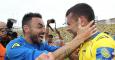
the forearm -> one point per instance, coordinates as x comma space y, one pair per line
74, 56
60, 58
68, 48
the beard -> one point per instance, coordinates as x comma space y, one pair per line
74, 35
36, 38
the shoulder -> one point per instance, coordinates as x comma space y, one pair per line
16, 42
103, 38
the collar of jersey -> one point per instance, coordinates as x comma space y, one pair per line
93, 36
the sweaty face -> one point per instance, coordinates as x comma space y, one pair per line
36, 30
72, 25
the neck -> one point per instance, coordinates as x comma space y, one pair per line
27, 38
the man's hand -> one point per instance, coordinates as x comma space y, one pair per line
86, 31
51, 56
83, 35
44, 56
74, 55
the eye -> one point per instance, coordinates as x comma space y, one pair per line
41, 26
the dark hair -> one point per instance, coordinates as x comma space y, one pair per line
14, 35
50, 36
82, 9
27, 17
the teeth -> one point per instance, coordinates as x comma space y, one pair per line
41, 38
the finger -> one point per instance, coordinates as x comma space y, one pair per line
90, 24
51, 56
93, 31
42, 57
93, 27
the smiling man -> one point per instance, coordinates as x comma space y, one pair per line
30, 46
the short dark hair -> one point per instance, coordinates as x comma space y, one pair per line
50, 36
27, 17
82, 9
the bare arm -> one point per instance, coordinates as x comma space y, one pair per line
83, 35
74, 55
67, 49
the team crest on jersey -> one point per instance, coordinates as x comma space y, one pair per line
105, 53
16, 45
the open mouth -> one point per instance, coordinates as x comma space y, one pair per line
41, 36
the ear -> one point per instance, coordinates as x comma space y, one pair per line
26, 28
82, 20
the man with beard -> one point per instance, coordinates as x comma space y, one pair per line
99, 46
31, 47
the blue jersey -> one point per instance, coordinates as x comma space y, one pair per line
19, 49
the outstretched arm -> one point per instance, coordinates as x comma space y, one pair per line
83, 34
67, 49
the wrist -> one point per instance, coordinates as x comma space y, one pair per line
78, 39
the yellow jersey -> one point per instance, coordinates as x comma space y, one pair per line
99, 47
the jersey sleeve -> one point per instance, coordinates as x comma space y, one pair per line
22, 53
104, 53
50, 48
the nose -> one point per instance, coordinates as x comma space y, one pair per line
43, 29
